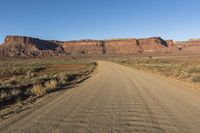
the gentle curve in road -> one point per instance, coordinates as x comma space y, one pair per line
117, 99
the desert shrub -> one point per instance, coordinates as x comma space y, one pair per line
12, 81
150, 57
51, 85
196, 78
44, 77
38, 90
63, 78
90, 69
71, 77
123, 62
23, 77
17, 68
93, 62
18, 100
194, 70
184, 75
15, 92
38, 68
4, 95
29, 75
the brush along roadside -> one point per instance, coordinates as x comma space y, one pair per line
182, 68
18, 89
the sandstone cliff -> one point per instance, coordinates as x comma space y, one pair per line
189, 46
115, 46
28, 46
122, 46
154, 44
170, 43
91, 47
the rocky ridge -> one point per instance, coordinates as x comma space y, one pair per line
28, 46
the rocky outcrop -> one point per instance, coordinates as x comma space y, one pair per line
170, 43
28, 46
84, 47
154, 44
192, 43
189, 46
38, 43
122, 46
130, 46
114, 46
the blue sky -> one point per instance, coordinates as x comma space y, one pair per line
100, 19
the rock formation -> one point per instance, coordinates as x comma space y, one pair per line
114, 46
170, 43
28, 46
88, 47
189, 46
152, 44
122, 46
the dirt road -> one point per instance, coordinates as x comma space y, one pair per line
117, 99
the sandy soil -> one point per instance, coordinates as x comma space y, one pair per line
117, 99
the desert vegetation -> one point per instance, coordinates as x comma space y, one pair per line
24, 78
183, 68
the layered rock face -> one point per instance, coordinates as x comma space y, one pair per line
195, 43
122, 46
27, 46
89, 47
152, 44
114, 46
170, 43
190, 46
38, 43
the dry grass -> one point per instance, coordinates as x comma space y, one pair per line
63, 78
51, 85
26, 77
3, 95
15, 92
196, 78
184, 68
38, 90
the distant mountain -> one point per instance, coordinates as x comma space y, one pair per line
28, 46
